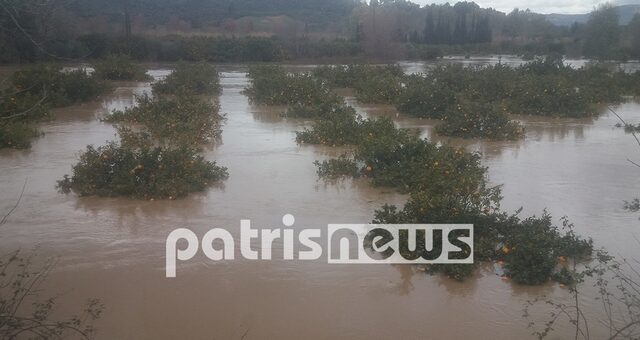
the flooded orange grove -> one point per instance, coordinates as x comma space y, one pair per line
114, 248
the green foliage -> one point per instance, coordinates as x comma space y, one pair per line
33, 91
445, 185
553, 96
120, 67
17, 135
351, 75
423, 97
200, 78
304, 95
145, 172
337, 127
60, 88
335, 168
475, 102
378, 87
373, 84
476, 119
602, 34
183, 120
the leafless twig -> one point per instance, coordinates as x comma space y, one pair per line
6, 216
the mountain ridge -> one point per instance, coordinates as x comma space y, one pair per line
625, 13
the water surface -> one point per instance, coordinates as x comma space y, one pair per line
113, 248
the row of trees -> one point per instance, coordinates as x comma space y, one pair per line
383, 25
33, 29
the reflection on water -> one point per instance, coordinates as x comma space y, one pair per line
419, 67
113, 249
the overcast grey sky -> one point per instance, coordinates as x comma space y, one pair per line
540, 6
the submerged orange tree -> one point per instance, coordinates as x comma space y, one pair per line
157, 155
449, 185
33, 91
445, 185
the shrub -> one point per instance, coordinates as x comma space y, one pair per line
335, 168
378, 87
120, 67
200, 78
350, 75
19, 110
304, 95
337, 127
476, 101
60, 88
548, 96
448, 185
343, 126
183, 120
476, 119
402, 160
114, 170
17, 135
425, 98
272, 85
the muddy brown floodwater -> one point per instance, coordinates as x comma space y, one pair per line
113, 249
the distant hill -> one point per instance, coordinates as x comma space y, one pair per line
625, 12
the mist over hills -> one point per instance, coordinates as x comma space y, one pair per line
257, 30
625, 14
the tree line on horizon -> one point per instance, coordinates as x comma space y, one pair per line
35, 30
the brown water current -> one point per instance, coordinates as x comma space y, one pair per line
114, 249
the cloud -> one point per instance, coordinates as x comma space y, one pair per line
540, 6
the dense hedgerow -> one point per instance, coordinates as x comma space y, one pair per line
183, 120
199, 78
59, 88
120, 67
145, 172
